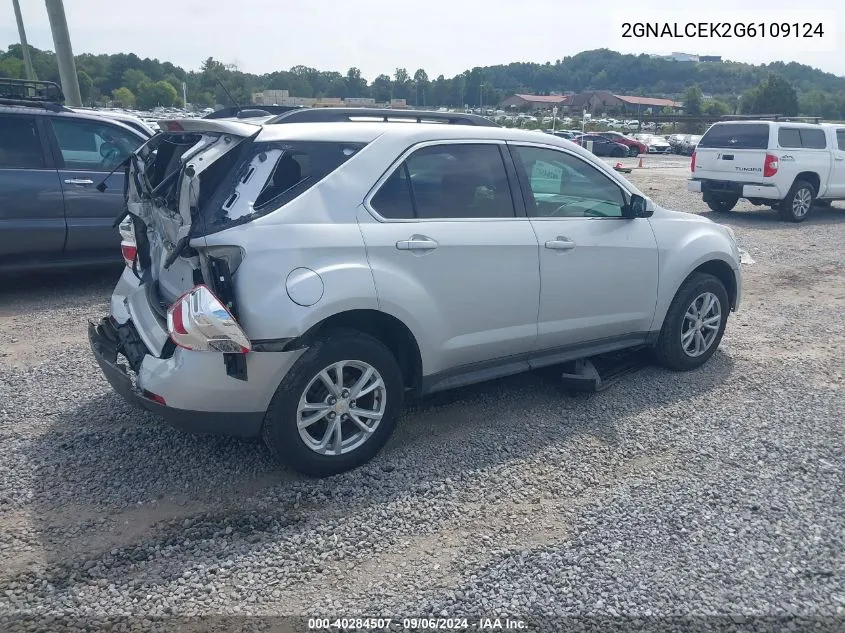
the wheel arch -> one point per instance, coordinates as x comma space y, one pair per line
388, 329
811, 177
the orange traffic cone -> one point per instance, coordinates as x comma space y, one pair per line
640, 166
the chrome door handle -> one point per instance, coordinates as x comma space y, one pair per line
417, 244
839, 157
79, 181
560, 244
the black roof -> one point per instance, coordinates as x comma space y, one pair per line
325, 115
31, 93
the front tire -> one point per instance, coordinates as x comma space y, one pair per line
798, 202
722, 204
337, 406
633, 152
618, 153
694, 324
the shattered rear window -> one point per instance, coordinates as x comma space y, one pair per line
274, 174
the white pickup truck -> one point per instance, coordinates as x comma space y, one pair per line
788, 166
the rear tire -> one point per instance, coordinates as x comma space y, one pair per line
302, 394
693, 310
798, 202
722, 204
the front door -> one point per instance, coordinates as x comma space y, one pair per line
87, 150
451, 257
598, 269
32, 221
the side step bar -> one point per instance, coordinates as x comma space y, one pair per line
596, 374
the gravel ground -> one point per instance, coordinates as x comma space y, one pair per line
669, 502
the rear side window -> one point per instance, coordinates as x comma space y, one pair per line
840, 139
19, 144
736, 136
805, 138
267, 176
448, 181
300, 166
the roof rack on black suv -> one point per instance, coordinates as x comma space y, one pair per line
248, 112
325, 115
27, 92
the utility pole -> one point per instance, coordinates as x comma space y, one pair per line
64, 52
27, 60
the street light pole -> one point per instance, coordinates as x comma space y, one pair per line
27, 60
64, 52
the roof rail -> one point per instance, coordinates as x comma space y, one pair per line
769, 117
27, 92
247, 112
345, 115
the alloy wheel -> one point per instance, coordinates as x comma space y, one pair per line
341, 407
701, 324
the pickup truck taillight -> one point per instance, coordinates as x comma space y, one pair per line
692, 163
770, 167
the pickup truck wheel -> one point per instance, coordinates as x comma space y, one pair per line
798, 202
694, 324
722, 204
337, 406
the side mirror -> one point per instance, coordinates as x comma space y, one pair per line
639, 207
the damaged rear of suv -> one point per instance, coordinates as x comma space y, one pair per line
175, 341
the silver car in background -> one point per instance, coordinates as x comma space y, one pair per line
299, 282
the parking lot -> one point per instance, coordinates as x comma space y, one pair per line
713, 493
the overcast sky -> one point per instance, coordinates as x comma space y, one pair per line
441, 36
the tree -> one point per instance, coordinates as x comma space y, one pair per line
401, 79
382, 88
133, 78
356, 86
86, 86
692, 100
421, 85
123, 97
775, 95
160, 93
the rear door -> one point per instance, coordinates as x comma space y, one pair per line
733, 151
86, 151
32, 223
451, 253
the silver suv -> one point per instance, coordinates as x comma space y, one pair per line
300, 281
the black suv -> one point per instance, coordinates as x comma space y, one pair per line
51, 160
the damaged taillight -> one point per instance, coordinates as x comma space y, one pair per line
128, 248
199, 321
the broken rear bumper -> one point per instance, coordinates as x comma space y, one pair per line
104, 345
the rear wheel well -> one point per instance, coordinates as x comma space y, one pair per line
387, 329
810, 177
723, 272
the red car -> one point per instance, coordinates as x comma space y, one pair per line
634, 146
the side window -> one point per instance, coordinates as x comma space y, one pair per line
789, 137
840, 139
449, 182
393, 200
19, 144
91, 145
565, 186
813, 139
